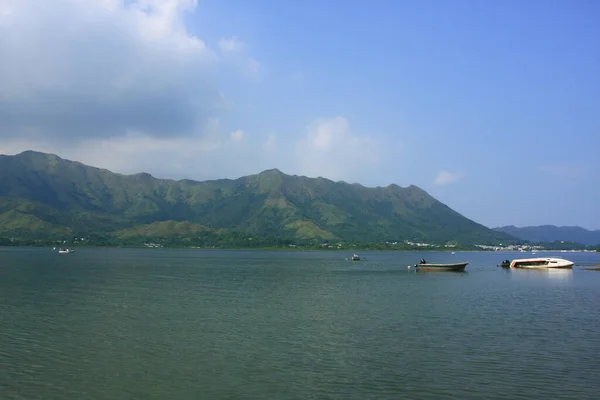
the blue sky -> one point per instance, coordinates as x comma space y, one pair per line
493, 107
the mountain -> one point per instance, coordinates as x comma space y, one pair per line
43, 195
551, 233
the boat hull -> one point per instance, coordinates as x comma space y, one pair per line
541, 263
546, 267
443, 267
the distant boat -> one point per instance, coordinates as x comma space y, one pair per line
425, 266
65, 251
538, 263
355, 257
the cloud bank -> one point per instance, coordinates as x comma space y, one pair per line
331, 149
126, 85
94, 68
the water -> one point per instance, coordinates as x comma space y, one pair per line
192, 324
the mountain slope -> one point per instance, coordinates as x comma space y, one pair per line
43, 194
551, 233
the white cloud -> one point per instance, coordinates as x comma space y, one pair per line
270, 144
446, 178
74, 69
237, 135
229, 45
331, 149
237, 52
125, 85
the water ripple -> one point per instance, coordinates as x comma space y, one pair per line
155, 324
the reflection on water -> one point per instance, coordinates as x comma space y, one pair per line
549, 273
561, 273
429, 272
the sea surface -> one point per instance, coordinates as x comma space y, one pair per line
208, 324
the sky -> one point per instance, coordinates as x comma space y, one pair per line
493, 107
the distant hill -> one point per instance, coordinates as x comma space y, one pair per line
43, 195
551, 233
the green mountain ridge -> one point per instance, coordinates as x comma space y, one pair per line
43, 195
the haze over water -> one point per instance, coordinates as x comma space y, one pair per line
198, 324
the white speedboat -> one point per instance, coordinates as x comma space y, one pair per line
539, 263
65, 251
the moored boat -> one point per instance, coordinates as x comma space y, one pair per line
539, 263
65, 251
425, 266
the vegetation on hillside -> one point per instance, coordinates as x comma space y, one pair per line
45, 197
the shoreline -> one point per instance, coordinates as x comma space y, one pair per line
294, 249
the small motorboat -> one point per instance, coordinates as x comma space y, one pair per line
355, 257
65, 251
425, 266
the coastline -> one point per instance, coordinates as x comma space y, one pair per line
296, 248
